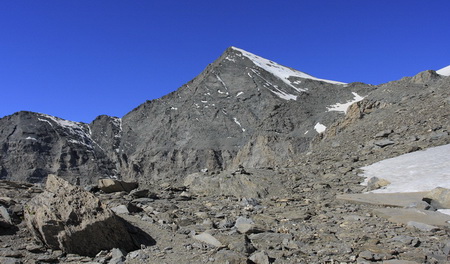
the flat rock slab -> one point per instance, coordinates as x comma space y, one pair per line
385, 199
411, 215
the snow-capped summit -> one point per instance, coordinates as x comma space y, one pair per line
282, 72
444, 71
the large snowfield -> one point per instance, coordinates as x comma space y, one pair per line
413, 172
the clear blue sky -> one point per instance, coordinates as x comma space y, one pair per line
79, 59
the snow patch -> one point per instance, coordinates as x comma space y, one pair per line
444, 71
44, 120
413, 172
320, 128
219, 91
221, 81
343, 107
282, 72
77, 142
230, 59
277, 91
74, 128
239, 94
238, 123
31, 138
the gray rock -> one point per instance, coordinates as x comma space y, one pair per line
111, 185
383, 143
422, 226
229, 257
7, 260
384, 133
117, 256
439, 198
242, 245
68, 218
265, 241
5, 219
208, 239
244, 225
260, 257
376, 183
121, 209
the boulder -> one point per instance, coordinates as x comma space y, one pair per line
376, 183
111, 185
208, 239
260, 258
439, 198
383, 143
68, 218
5, 219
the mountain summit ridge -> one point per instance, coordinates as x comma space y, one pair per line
283, 72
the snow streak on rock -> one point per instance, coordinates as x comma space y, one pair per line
282, 72
343, 107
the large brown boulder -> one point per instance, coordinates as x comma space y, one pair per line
68, 218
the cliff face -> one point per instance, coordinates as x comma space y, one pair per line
34, 145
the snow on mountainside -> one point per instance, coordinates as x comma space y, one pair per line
343, 107
413, 172
444, 71
282, 72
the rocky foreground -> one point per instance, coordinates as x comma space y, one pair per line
300, 223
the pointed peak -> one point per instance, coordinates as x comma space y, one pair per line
444, 71
282, 72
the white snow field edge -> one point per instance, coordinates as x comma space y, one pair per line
278, 70
413, 172
444, 71
343, 107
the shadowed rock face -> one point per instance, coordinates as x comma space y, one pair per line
75, 221
34, 145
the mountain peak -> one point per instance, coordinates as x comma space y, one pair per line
286, 74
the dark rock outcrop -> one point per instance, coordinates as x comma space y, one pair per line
34, 145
